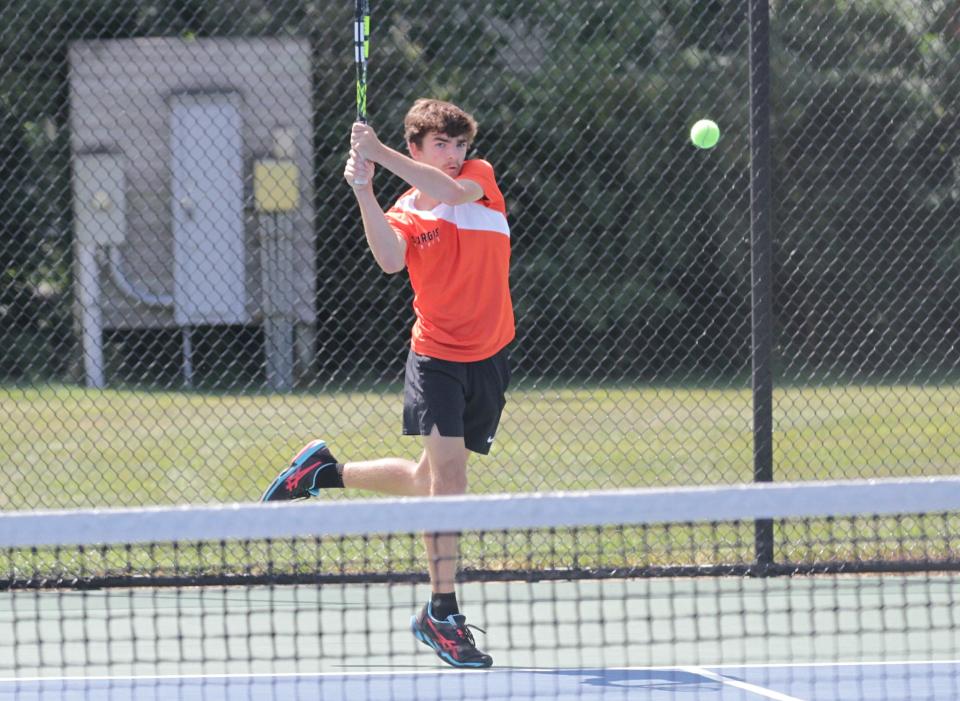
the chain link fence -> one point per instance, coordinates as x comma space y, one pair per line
186, 296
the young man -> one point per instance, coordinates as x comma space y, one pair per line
450, 232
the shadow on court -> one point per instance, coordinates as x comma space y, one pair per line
667, 680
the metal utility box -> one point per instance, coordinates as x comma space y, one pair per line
99, 195
166, 135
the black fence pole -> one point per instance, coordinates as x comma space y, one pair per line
761, 274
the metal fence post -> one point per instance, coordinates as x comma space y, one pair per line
761, 263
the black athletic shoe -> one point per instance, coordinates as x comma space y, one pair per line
451, 639
299, 481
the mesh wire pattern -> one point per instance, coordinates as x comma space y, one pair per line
347, 635
630, 267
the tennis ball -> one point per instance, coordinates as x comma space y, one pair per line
705, 133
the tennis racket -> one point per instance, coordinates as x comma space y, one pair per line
361, 52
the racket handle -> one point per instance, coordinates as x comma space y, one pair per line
359, 179
362, 119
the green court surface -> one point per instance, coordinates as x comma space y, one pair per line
720, 638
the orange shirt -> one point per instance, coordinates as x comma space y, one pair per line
458, 259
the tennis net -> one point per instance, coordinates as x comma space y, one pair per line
631, 594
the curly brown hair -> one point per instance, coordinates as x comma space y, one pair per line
427, 115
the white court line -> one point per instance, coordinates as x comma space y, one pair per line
494, 670
259, 675
798, 665
752, 688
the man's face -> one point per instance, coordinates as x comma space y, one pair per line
441, 151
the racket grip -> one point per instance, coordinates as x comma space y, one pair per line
358, 179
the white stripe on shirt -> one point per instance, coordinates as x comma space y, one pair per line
471, 216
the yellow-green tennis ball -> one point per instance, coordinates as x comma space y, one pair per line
705, 133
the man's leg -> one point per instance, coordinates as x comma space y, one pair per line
442, 469
439, 624
395, 476
314, 468
447, 458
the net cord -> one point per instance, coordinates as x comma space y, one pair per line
253, 521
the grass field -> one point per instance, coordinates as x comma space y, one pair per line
64, 446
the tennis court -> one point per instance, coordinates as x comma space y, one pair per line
873, 682
224, 648
209, 603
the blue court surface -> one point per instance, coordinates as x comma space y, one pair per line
893, 681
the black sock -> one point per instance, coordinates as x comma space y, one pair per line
329, 478
443, 605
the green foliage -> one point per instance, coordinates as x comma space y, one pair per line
630, 248
848, 35
15, 201
865, 185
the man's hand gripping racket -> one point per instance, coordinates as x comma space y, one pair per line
362, 170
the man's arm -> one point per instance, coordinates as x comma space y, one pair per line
388, 247
427, 179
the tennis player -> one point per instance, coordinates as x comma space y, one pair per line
450, 232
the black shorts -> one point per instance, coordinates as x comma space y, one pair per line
460, 399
